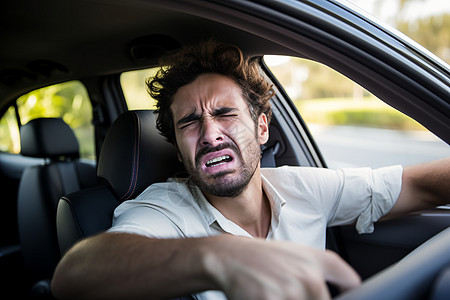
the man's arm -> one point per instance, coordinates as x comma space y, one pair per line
423, 186
126, 266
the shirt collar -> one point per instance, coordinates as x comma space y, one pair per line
215, 217
275, 200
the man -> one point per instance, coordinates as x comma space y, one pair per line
232, 229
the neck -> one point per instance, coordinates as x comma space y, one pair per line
250, 210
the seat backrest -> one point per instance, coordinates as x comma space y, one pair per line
40, 188
133, 156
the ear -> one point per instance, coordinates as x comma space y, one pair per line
263, 129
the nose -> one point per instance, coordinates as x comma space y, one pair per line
211, 133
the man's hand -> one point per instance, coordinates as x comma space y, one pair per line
257, 269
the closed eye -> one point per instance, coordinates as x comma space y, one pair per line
225, 112
188, 120
222, 112
191, 122
185, 125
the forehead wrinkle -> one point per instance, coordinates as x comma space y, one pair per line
206, 97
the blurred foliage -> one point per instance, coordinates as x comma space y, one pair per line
418, 19
68, 101
324, 96
9, 132
366, 112
433, 33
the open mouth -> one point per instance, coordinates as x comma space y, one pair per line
217, 161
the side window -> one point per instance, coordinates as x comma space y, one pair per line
68, 101
351, 126
9, 132
135, 89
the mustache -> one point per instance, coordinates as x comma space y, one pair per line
208, 149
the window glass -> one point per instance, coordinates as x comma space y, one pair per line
351, 126
68, 101
135, 89
9, 132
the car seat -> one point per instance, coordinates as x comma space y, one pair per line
39, 191
133, 156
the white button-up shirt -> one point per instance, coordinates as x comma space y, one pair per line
304, 202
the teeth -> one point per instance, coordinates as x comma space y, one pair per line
217, 159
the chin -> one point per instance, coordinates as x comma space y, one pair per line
224, 184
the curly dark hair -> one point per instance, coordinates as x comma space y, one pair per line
211, 56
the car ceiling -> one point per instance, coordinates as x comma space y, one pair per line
45, 42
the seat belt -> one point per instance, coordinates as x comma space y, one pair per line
268, 155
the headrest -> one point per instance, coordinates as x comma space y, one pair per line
134, 155
48, 138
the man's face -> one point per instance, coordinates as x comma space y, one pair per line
218, 141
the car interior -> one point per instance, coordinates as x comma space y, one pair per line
52, 197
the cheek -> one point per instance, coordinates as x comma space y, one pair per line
186, 146
242, 134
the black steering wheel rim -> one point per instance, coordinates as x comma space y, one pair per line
411, 278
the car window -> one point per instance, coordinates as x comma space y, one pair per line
351, 126
135, 89
9, 132
68, 101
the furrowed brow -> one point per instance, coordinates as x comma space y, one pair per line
223, 110
189, 118
195, 116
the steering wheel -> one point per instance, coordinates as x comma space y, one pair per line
423, 274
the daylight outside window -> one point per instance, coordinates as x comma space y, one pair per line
68, 100
351, 126
135, 89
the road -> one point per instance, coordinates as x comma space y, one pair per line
345, 146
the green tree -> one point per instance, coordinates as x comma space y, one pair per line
432, 32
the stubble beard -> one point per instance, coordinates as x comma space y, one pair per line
225, 183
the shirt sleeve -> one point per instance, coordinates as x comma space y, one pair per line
142, 219
151, 214
366, 195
